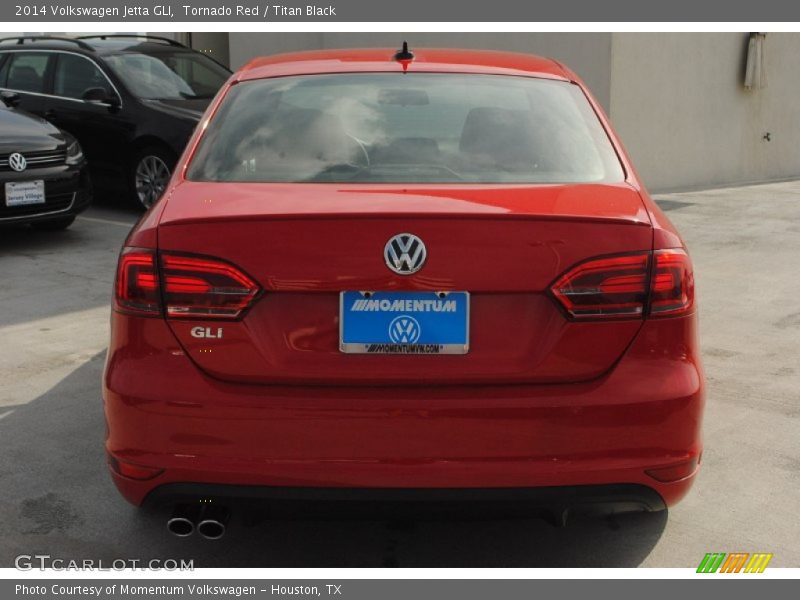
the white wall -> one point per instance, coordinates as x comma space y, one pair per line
679, 104
588, 54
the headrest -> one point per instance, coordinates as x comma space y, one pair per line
498, 135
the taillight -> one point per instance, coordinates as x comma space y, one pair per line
137, 289
628, 286
202, 287
605, 287
186, 286
672, 288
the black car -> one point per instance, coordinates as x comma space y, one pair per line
43, 173
131, 101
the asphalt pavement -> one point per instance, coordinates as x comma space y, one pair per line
57, 498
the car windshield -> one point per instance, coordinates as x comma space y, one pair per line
169, 75
417, 127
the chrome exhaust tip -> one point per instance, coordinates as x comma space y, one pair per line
180, 526
181, 523
214, 522
211, 529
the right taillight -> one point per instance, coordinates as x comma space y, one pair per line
181, 286
610, 287
672, 283
627, 286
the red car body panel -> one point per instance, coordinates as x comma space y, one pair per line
644, 414
426, 60
540, 399
518, 333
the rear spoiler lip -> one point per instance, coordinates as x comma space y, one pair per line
633, 212
401, 215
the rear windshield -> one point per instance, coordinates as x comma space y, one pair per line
417, 127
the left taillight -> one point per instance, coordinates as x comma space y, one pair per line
137, 288
182, 286
203, 287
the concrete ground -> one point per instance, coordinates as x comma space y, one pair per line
57, 498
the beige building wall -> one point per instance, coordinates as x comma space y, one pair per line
679, 104
588, 54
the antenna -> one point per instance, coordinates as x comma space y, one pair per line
404, 56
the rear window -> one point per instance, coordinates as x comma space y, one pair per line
26, 71
169, 75
417, 127
74, 75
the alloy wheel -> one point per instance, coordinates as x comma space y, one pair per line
152, 175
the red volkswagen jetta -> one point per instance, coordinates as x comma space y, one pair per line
379, 275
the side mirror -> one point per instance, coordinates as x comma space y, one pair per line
98, 95
10, 99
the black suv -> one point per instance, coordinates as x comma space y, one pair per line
131, 101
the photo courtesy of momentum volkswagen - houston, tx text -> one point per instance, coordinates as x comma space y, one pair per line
403, 274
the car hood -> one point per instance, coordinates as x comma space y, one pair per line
188, 109
21, 131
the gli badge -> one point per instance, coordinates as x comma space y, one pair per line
207, 333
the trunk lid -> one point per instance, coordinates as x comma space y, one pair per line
306, 243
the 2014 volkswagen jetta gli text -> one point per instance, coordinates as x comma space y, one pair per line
401, 276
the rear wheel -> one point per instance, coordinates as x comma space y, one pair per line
54, 224
151, 169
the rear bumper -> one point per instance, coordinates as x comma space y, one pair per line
212, 437
554, 503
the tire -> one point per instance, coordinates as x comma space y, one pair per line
150, 171
54, 224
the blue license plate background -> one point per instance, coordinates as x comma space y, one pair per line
404, 323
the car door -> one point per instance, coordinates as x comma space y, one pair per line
27, 74
100, 127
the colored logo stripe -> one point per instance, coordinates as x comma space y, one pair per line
711, 562
717, 561
734, 562
758, 562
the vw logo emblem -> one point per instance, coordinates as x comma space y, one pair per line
17, 162
404, 330
405, 254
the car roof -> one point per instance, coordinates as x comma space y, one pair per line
425, 60
121, 46
92, 46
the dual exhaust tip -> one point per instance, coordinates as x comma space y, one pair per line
209, 521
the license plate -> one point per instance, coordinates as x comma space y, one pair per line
21, 193
404, 322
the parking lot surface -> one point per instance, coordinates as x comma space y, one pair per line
58, 499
